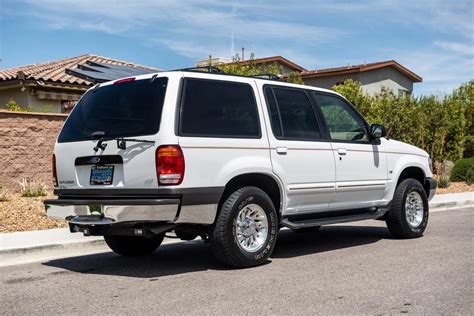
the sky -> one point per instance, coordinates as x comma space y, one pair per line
433, 38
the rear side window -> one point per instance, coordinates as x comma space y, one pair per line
292, 116
212, 108
125, 109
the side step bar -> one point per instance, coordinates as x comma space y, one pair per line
294, 223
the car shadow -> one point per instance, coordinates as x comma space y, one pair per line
195, 256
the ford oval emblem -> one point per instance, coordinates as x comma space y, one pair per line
94, 160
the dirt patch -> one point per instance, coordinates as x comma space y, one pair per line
456, 187
23, 214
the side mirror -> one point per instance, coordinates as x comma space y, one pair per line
377, 131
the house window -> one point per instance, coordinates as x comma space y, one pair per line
402, 93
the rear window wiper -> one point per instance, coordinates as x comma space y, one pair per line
121, 142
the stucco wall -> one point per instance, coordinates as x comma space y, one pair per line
26, 146
372, 81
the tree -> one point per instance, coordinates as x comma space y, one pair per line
251, 69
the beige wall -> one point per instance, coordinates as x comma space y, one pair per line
26, 146
26, 98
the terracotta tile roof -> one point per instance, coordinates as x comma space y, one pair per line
55, 71
360, 68
269, 60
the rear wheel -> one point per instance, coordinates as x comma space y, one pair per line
133, 245
408, 215
246, 229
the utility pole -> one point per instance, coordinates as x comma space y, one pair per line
243, 52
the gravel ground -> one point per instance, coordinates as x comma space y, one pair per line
24, 214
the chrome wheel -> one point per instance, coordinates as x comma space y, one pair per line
251, 228
414, 209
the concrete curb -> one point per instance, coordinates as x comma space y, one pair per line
20, 247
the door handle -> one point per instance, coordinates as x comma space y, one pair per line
281, 150
342, 151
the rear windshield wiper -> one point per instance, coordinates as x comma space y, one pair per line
121, 142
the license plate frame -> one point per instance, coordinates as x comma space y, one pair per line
101, 175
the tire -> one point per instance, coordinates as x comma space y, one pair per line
397, 221
312, 229
238, 237
133, 245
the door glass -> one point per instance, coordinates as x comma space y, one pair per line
343, 122
297, 115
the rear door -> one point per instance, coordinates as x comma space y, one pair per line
299, 154
361, 164
129, 109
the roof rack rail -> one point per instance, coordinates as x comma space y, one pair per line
209, 69
267, 76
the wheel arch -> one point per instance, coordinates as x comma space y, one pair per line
267, 183
417, 173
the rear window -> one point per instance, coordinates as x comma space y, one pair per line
213, 108
125, 109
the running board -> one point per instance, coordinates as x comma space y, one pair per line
293, 222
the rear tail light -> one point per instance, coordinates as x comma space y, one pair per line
55, 174
169, 165
125, 80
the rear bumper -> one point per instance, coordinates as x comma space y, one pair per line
432, 183
98, 212
104, 207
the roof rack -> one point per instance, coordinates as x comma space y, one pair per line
209, 69
215, 70
267, 76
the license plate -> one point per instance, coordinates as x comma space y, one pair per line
101, 175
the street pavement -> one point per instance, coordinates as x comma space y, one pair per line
353, 268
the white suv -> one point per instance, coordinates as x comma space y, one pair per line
231, 159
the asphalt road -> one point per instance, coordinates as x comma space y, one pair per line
350, 268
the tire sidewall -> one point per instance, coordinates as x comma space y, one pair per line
262, 200
416, 186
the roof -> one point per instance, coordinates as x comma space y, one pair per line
273, 59
361, 68
55, 71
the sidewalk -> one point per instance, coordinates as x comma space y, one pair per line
54, 242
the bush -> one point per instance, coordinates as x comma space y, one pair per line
4, 194
463, 170
32, 188
443, 183
15, 107
442, 127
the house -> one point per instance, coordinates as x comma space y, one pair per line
57, 85
287, 66
374, 77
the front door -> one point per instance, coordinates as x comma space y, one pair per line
361, 164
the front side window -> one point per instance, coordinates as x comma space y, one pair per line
292, 117
343, 122
212, 108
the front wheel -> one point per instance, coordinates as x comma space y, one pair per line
133, 245
408, 215
246, 229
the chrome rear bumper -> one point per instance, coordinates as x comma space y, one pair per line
103, 212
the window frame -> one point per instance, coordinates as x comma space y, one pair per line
357, 113
316, 113
182, 98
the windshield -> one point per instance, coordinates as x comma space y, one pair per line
131, 108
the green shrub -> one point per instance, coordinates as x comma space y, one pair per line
32, 188
15, 107
443, 183
463, 170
